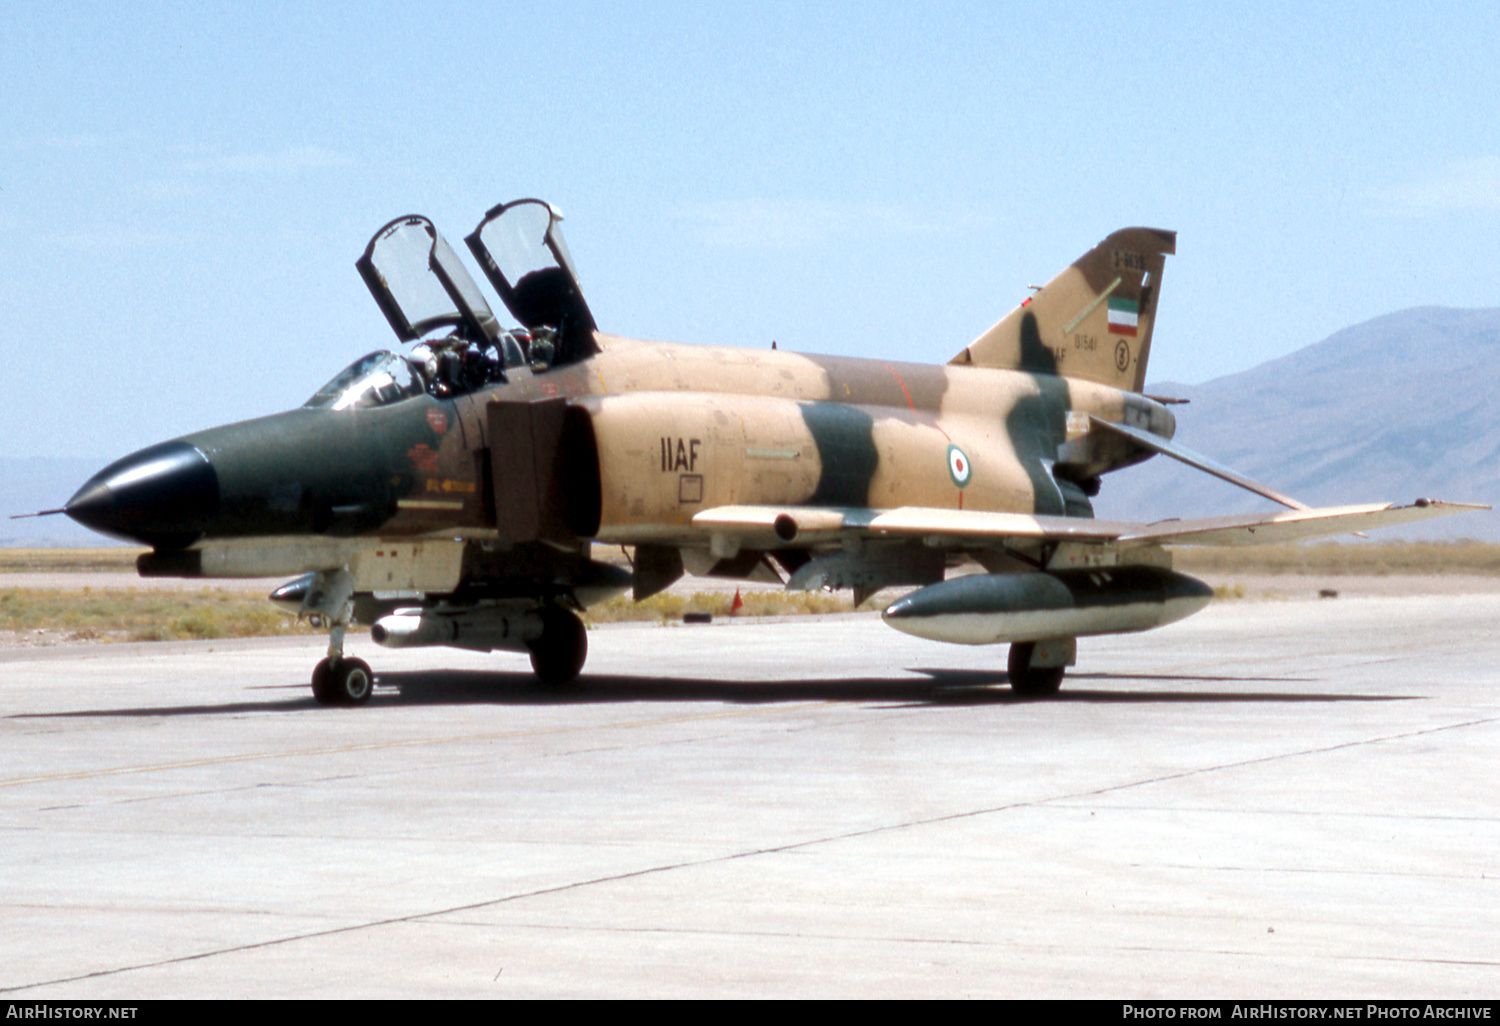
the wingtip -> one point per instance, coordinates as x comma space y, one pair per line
1456, 507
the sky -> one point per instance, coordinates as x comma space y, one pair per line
184, 188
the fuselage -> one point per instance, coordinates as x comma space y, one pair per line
678, 429
453, 495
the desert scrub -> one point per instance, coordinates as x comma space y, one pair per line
143, 616
667, 607
1353, 558
117, 558
1343, 558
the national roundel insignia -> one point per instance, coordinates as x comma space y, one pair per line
959, 467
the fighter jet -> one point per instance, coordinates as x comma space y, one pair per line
451, 493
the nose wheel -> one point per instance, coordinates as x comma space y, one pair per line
340, 681
346, 682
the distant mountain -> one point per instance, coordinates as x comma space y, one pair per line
1400, 407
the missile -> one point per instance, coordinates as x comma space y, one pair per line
479, 630
986, 609
291, 596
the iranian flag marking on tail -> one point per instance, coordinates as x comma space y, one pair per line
1123, 316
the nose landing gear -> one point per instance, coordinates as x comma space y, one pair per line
345, 682
554, 637
327, 597
340, 681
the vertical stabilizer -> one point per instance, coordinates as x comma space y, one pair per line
1092, 321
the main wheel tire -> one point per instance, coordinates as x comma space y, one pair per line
353, 681
1028, 680
322, 684
558, 655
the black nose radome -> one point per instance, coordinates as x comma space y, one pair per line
163, 496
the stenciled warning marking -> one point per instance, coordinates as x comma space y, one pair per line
959, 467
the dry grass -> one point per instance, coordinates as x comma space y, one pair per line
123, 615
121, 559
87, 615
84, 614
1352, 559
668, 607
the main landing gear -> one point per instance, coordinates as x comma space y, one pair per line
558, 655
1036, 668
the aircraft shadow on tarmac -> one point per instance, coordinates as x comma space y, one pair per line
944, 687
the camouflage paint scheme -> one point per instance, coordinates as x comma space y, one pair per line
740, 463
774, 427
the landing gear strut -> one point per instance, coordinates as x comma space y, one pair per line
1031, 680
558, 655
336, 680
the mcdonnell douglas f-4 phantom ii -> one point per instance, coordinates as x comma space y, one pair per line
451, 494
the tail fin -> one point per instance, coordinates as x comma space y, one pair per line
1092, 321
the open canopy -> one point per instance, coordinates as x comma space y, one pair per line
421, 285
521, 250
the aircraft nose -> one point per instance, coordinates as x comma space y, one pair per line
163, 496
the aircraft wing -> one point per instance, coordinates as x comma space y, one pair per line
1289, 525
773, 525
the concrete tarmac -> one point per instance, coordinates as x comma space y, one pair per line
1271, 799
